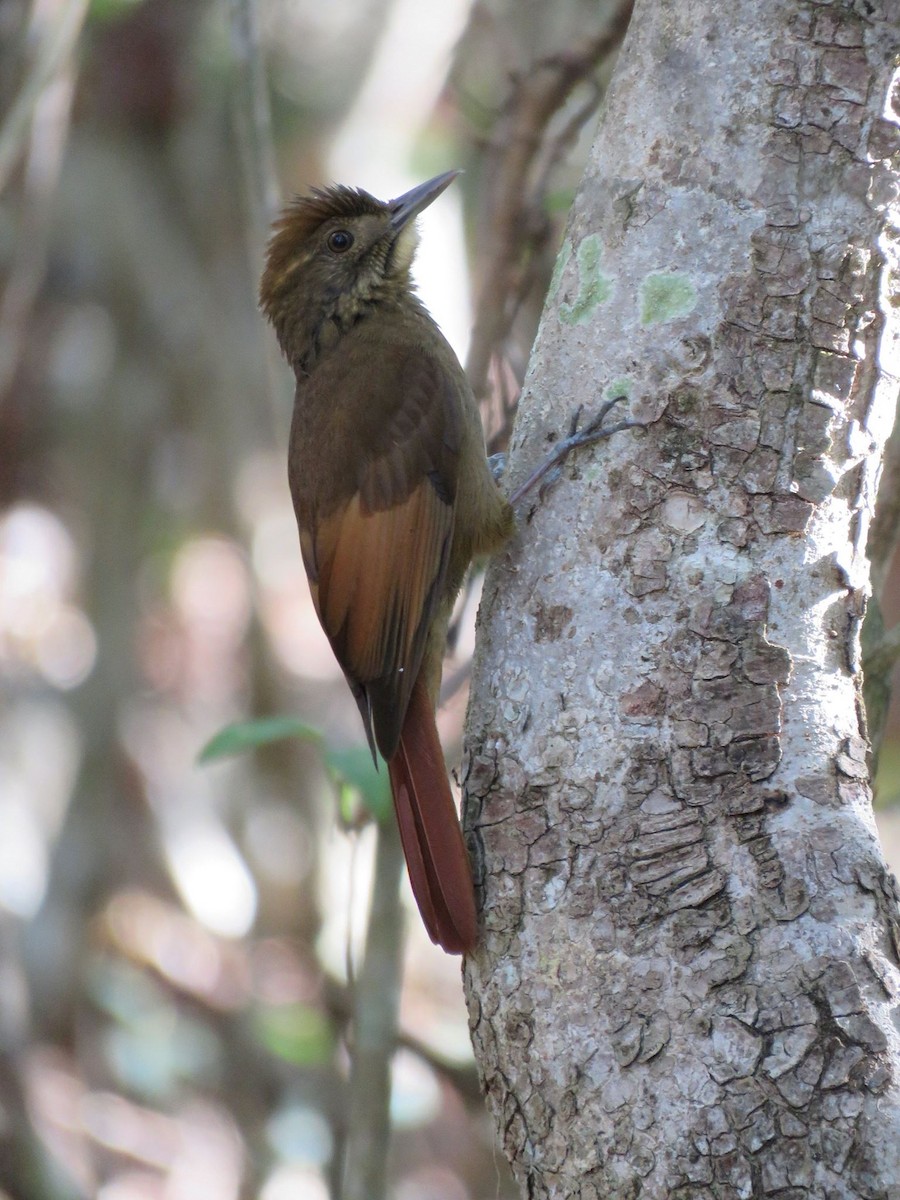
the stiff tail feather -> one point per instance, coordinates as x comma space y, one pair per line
432, 840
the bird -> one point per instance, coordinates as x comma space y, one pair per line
393, 495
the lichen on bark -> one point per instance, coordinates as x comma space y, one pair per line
688, 984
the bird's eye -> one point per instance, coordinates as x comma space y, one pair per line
340, 240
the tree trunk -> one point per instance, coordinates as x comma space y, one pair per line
688, 983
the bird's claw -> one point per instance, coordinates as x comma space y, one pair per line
576, 417
497, 465
549, 472
594, 430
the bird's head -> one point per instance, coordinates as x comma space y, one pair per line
333, 255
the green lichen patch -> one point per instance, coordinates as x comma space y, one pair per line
618, 389
562, 261
666, 296
593, 286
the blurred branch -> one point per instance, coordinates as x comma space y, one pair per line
253, 125
883, 656
26, 1168
54, 51
517, 144
880, 652
454, 681
885, 531
49, 130
254, 120
375, 1007
463, 1077
880, 648
39, 117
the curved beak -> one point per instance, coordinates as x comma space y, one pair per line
408, 206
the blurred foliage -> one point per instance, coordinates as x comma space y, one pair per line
351, 768
298, 1033
111, 10
251, 735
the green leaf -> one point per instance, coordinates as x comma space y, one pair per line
353, 768
250, 735
295, 1032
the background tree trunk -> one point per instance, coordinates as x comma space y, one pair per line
688, 984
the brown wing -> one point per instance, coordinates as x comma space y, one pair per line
376, 537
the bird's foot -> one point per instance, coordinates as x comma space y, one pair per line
551, 468
497, 464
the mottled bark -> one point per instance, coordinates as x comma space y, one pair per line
688, 985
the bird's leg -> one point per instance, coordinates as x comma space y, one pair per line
594, 431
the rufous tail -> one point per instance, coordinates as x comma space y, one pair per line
432, 840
